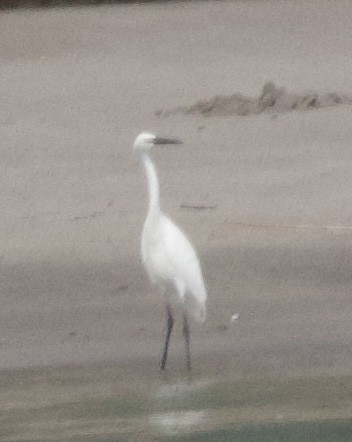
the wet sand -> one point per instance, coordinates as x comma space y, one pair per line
265, 198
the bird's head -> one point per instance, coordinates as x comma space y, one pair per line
145, 141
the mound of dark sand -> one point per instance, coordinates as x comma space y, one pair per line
271, 99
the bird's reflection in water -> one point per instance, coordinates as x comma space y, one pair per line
177, 422
173, 399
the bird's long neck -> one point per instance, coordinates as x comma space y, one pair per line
153, 184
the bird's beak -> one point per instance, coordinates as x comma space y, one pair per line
160, 140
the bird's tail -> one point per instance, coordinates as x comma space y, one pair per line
197, 309
200, 313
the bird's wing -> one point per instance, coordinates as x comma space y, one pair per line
184, 261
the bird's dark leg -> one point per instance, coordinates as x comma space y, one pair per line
186, 335
169, 323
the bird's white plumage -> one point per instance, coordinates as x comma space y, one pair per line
171, 262
167, 254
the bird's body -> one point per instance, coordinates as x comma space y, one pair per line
172, 264
168, 256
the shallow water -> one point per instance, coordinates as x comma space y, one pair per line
79, 405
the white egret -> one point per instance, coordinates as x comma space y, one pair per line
168, 256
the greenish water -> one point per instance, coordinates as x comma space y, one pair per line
317, 409
332, 431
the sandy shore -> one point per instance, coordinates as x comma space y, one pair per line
274, 230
